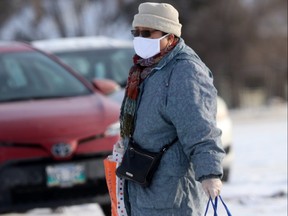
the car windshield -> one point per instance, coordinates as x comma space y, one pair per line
111, 64
32, 75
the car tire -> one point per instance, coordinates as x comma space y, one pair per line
226, 174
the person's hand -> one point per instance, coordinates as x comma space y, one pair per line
119, 147
212, 187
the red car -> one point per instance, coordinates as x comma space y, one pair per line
55, 130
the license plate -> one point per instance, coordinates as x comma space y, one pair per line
65, 175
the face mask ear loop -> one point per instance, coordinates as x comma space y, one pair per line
168, 45
164, 36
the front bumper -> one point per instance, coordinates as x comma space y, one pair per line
23, 185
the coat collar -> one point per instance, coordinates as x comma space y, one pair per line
164, 61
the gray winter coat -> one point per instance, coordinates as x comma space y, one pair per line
177, 99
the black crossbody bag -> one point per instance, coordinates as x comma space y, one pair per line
139, 165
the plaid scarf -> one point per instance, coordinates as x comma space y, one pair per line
138, 72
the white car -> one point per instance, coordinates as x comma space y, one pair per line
93, 57
108, 58
224, 122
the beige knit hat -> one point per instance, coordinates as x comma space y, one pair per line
160, 16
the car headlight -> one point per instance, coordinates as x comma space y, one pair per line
113, 129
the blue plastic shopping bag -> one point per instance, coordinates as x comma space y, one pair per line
215, 204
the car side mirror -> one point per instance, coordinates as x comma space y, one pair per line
105, 86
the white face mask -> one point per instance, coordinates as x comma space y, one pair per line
147, 47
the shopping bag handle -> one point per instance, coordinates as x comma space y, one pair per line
215, 204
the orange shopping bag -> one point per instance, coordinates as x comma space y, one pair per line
115, 185
110, 169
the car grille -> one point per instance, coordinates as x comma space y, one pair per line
21, 145
90, 138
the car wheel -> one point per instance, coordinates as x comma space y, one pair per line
226, 172
106, 208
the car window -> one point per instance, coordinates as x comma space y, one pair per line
101, 63
32, 75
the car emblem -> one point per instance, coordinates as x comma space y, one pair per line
61, 150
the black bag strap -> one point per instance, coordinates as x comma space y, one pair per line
163, 149
167, 146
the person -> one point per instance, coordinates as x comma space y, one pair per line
170, 93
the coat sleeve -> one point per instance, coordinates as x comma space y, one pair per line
191, 106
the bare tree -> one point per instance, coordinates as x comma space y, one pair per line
7, 9
245, 47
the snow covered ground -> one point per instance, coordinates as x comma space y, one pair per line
258, 184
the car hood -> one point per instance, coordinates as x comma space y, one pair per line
68, 118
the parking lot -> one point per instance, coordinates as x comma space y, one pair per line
258, 185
